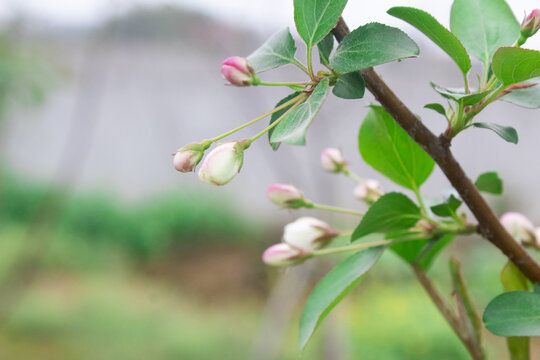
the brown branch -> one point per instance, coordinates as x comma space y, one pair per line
489, 225
445, 309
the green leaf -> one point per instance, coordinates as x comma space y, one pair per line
513, 279
333, 288
483, 26
527, 98
386, 147
277, 115
421, 252
315, 18
370, 45
277, 51
325, 47
515, 313
513, 65
459, 95
393, 212
490, 182
350, 86
292, 128
437, 107
440, 35
506, 132
447, 208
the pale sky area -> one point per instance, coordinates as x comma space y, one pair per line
262, 16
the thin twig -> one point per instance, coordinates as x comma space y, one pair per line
439, 149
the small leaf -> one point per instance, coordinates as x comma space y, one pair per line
447, 208
437, 107
459, 95
515, 313
483, 26
432, 249
393, 212
277, 51
513, 65
350, 86
386, 147
370, 45
490, 182
325, 47
333, 288
315, 18
441, 36
292, 128
506, 132
513, 279
277, 115
528, 98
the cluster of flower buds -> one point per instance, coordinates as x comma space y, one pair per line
531, 24
369, 191
300, 239
521, 228
238, 71
332, 160
286, 196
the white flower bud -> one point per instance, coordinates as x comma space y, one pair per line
286, 196
222, 164
186, 160
369, 191
332, 160
308, 234
521, 228
283, 254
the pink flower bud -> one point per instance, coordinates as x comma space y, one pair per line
222, 164
531, 24
368, 191
237, 71
308, 234
332, 160
186, 160
283, 255
286, 196
519, 227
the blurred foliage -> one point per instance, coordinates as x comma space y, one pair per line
86, 223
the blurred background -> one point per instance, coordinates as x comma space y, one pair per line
106, 252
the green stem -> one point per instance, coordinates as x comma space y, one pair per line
298, 99
300, 65
361, 246
353, 176
280, 107
263, 83
420, 201
466, 82
334, 209
310, 64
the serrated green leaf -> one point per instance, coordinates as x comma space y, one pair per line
350, 86
370, 45
513, 65
441, 36
333, 288
459, 95
325, 47
393, 212
489, 182
292, 128
447, 208
515, 313
483, 26
506, 132
315, 18
528, 98
277, 51
386, 147
437, 107
277, 115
